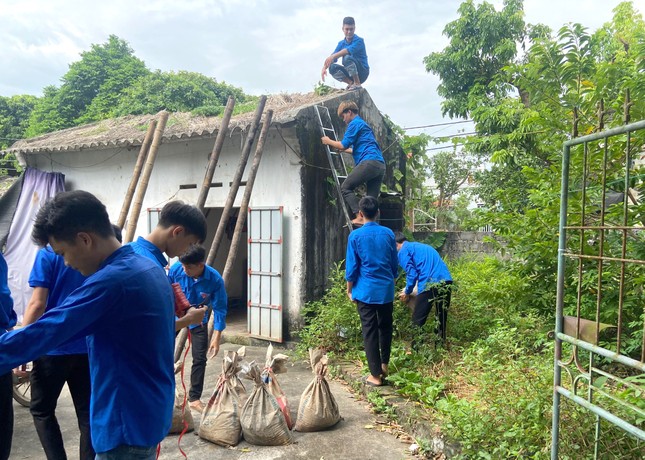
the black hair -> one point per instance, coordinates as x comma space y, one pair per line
69, 213
369, 207
195, 254
349, 21
186, 215
117, 232
399, 237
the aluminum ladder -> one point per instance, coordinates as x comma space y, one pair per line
336, 161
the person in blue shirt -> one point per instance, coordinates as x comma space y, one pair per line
52, 282
8, 319
355, 69
370, 269
202, 285
369, 164
125, 309
424, 268
180, 226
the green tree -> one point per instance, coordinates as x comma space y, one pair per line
14, 117
178, 92
90, 89
482, 42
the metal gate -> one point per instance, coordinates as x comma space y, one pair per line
264, 318
600, 309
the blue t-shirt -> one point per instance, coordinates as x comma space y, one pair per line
371, 263
207, 289
126, 311
360, 137
50, 272
145, 248
422, 265
356, 50
8, 317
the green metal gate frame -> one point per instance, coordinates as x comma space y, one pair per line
583, 334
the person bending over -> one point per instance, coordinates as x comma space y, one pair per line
424, 268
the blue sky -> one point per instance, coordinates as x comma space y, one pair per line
262, 46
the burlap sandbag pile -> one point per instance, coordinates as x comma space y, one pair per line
181, 415
221, 418
318, 408
262, 419
277, 365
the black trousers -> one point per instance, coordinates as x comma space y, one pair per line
368, 172
376, 322
199, 342
6, 415
47, 380
438, 295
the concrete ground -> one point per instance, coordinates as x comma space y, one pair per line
357, 436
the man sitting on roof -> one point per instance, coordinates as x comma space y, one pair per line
355, 68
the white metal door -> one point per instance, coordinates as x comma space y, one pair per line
264, 318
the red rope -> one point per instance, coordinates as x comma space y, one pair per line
183, 404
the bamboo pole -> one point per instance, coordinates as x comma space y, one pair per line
228, 206
143, 153
241, 217
246, 150
215, 154
147, 172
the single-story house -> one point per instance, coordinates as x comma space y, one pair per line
293, 178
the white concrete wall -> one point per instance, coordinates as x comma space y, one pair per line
107, 173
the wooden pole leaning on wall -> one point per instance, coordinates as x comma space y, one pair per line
246, 150
235, 185
143, 153
244, 206
215, 154
145, 177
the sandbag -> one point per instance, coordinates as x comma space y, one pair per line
277, 365
318, 408
220, 422
262, 420
180, 414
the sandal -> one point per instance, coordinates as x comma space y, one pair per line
372, 384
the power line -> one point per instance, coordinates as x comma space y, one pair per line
440, 124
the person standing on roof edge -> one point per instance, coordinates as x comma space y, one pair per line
369, 166
355, 69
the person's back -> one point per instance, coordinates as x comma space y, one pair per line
372, 262
432, 269
370, 268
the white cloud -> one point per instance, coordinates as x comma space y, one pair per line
262, 46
